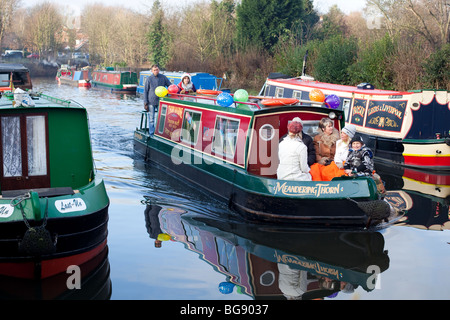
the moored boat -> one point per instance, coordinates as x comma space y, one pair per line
14, 76
115, 81
409, 128
53, 206
71, 76
201, 80
233, 153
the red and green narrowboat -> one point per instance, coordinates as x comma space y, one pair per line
115, 81
71, 76
233, 153
53, 206
408, 128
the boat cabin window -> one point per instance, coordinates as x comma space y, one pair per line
162, 119
279, 92
346, 108
36, 146
190, 126
267, 132
225, 136
267, 90
297, 94
4, 80
310, 127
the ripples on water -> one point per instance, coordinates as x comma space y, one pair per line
418, 260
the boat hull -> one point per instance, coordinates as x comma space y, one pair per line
245, 193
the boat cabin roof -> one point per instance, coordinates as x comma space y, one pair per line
12, 67
295, 82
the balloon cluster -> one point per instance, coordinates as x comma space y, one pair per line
332, 101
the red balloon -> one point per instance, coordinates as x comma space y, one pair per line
173, 88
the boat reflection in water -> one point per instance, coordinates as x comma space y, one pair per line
272, 262
424, 195
90, 282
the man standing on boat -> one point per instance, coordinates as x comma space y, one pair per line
151, 100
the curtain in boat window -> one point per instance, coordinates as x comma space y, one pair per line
12, 150
36, 146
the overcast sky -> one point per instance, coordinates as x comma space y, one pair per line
322, 6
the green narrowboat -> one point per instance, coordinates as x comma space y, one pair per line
53, 206
115, 81
233, 153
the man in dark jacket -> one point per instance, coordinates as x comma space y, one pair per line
151, 100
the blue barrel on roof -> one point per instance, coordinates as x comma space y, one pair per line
201, 80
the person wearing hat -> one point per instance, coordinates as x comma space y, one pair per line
360, 158
186, 85
293, 155
347, 133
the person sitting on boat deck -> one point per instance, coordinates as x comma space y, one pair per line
186, 86
151, 100
293, 155
325, 141
347, 133
359, 159
308, 141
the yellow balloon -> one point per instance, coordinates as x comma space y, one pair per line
161, 91
164, 237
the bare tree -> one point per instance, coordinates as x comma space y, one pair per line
7, 9
429, 19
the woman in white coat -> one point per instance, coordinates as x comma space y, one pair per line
293, 154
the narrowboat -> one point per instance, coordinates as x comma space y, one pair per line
409, 128
233, 153
263, 261
71, 76
14, 76
201, 80
115, 81
53, 206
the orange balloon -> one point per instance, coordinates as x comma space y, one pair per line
316, 95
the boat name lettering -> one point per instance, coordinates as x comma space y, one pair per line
359, 110
6, 210
313, 266
317, 190
385, 108
70, 205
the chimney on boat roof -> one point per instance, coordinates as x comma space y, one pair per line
365, 86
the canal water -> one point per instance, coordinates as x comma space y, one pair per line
205, 252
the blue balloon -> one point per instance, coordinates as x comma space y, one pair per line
333, 101
225, 99
226, 287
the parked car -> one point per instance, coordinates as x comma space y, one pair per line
13, 55
33, 56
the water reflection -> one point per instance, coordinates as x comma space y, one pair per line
424, 195
94, 283
269, 262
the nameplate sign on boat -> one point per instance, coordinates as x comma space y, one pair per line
386, 115
70, 205
358, 111
6, 211
317, 190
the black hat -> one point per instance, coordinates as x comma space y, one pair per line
358, 138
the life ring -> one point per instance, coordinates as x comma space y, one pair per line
211, 92
279, 102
